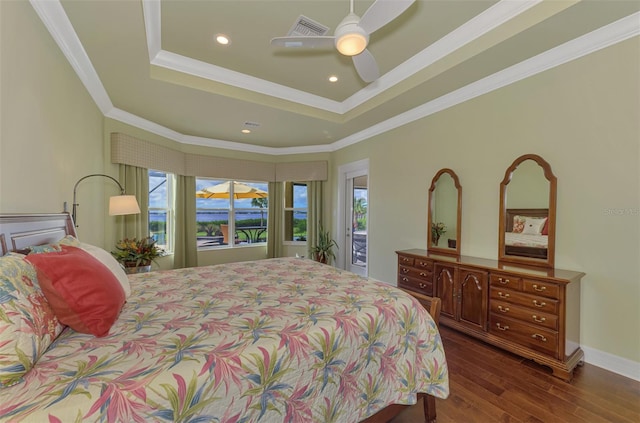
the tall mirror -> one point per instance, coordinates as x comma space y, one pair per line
528, 213
444, 214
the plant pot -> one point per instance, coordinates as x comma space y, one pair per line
131, 268
321, 258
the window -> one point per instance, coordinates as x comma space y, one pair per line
295, 211
160, 208
231, 207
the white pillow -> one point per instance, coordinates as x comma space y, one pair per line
112, 264
533, 225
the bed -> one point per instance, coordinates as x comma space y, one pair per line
526, 233
276, 340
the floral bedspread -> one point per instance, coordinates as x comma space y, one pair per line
526, 240
278, 340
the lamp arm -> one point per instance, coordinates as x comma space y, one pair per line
75, 204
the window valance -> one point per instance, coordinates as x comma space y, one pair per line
129, 150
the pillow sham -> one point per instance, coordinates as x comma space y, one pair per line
28, 325
533, 225
518, 224
82, 292
105, 258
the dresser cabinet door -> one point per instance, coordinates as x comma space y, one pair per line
445, 284
473, 298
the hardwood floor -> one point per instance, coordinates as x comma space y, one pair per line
491, 385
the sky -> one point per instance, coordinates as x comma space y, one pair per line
158, 194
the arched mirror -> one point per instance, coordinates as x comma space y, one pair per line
445, 205
528, 213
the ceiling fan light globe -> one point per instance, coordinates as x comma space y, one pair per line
351, 44
350, 38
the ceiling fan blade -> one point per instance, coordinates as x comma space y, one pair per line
382, 12
366, 66
304, 42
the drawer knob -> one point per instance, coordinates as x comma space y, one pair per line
405, 270
405, 259
538, 319
503, 281
503, 309
500, 327
539, 337
539, 288
421, 285
539, 304
501, 295
405, 280
424, 275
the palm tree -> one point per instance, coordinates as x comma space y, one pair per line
359, 210
263, 203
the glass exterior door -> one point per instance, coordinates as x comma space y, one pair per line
357, 192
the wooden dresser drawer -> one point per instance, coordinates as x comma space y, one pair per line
534, 337
423, 264
546, 289
525, 314
415, 273
506, 281
418, 285
543, 305
406, 260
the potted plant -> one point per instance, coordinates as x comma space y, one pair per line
437, 230
323, 250
136, 255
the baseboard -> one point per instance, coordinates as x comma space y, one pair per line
613, 363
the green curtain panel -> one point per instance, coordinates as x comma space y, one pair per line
185, 251
274, 220
315, 201
135, 181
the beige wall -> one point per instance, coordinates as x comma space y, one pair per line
50, 128
583, 118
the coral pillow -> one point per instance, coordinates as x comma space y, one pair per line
82, 292
105, 258
545, 228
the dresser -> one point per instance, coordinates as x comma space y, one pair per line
534, 313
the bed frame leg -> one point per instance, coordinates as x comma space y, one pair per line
429, 405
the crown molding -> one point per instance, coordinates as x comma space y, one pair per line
598, 39
486, 21
187, 65
56, 21
471, 30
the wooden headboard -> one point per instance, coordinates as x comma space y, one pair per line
19, 231
524, 212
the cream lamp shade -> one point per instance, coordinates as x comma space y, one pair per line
118, 204
123, 204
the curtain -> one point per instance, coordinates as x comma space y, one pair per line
315, 202
135, 181
185, 250
274, 220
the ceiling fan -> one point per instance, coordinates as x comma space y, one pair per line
352, 35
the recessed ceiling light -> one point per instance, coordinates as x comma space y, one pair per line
223, 39
333, 78
246, 131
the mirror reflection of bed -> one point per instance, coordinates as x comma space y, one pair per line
527, 233
527, 213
